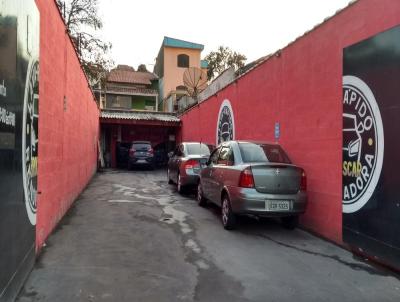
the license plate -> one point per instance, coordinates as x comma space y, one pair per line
141, 161
277, 205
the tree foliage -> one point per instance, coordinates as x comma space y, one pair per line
222, 59
142, 68
82, 20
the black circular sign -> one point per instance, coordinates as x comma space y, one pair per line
226, 125
30, 139
362, 144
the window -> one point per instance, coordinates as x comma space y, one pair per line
141, 146
197, 149
226, 156
262, 153
180, 150
214, 157
149, 104
183, 60
119, 101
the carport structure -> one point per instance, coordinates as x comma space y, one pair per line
124, 126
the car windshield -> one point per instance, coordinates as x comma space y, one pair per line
252, 153
141, 146
197, 149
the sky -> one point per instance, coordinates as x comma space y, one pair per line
254, 28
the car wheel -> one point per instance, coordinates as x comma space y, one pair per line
180, 187
290, 222
227, 216
170, 182
201, 200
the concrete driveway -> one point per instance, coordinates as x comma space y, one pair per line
131, 237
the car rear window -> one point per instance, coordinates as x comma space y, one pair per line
197, 149
252, 153
141, 146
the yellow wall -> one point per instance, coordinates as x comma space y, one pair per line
173, 75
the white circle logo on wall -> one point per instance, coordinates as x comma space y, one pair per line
226, 123
363, 144
30, 139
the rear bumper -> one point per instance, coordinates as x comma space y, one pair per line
190, 180
142, 161
249, 201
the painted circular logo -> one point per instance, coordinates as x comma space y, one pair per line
30, 139
363, 144
226, 124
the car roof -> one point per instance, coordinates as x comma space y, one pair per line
257, 142
141, 142
254, 142
192, 143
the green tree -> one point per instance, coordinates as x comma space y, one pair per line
222, 59
82, 20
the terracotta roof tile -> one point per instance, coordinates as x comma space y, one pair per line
126, 74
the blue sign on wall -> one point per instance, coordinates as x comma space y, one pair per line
277, 130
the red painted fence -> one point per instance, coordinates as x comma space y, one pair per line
301, 88
68, 123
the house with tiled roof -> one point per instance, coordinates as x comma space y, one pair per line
130, 89
130, 112
173, 58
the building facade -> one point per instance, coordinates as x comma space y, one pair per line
129, 89
174, 57
130, 112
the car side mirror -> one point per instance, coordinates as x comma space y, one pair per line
170, 154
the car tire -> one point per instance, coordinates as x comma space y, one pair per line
290, 222
201, 200
228, 218
180, 187
170, 182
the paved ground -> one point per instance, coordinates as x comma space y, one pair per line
131, 237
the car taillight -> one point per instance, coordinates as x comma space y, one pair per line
151, 150
132, 152
192, 164
246, 179
303, 181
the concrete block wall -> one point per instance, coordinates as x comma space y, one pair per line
301, 88
68, 123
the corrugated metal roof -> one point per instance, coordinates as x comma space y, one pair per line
139, 115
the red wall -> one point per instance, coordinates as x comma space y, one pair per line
67, 138
301, 89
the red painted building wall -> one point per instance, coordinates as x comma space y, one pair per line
68, 123
301, 88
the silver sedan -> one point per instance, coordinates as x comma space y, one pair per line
257, 178
185, 164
